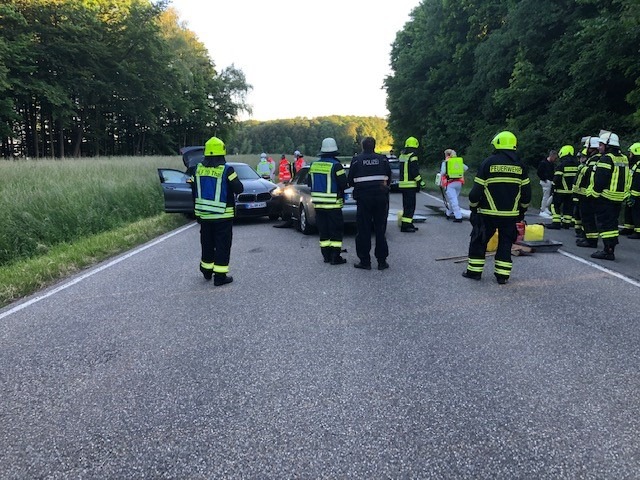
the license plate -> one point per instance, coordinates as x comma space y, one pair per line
257, 205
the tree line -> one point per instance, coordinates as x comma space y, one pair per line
551, 71
286, 136
108, 77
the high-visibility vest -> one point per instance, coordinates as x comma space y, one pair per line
405, 181
211, 192
284, 171
324, 191
263, 169
299, 163
455, 168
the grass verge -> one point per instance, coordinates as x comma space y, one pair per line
28, 276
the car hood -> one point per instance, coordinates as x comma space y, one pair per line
258, 185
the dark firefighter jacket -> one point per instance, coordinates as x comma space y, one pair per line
502, 188
566, 173
215, 185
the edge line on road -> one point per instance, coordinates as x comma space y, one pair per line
629, 280
92, 272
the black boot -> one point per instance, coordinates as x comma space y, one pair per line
587, 242
554, 226
606, 254
472, 275
221, 279
407, 228
206, 273
336, 259
326, 254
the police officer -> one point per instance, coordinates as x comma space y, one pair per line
214, 187
563, 180
610, 189
410, 183
328, 180
370, 176
500, 196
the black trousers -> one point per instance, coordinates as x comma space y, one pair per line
372, 214
215, 240
627, 216
483, 229
607, 214
588, 215
408, 203
330, 225
563, 203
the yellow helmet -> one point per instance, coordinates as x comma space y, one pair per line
635, 148
566, 150
504, 141
214, 148
411, 142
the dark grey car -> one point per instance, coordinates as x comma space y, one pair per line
297, 204
257, 200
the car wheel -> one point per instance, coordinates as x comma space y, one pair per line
303, 221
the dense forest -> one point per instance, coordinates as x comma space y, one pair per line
285, 136
108, 77
551, 71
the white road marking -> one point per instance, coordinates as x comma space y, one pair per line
88, 274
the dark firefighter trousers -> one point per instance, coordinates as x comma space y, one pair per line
215, 240
408, 205
588, 216
563, 208
330, 225
607, 214
484, 227
371, 214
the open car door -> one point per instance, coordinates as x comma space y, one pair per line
176, 189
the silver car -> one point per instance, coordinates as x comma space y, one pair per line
297, 204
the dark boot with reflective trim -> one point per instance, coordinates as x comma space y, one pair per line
326, 254
221, 279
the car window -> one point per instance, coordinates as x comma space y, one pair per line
245, 172
193, 157
394, 165
301, 176
174, 176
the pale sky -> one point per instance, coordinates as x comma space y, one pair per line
303, 58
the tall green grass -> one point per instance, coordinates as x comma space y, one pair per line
44, 203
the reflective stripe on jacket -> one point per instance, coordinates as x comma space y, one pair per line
212, 185
327, 181
610, 178
409, 171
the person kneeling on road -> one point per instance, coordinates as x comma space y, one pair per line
499, 198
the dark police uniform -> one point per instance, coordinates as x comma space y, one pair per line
214, 187
501, 193
370, 176
328, 180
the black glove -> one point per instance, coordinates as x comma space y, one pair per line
521, 214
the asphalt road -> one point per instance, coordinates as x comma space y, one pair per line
140, 369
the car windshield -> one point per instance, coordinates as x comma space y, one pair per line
245, 172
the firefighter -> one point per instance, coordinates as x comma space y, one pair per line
328, 180
563, 180
284, 169
633, 202
499, 198
370, 176
584, 192
410, 183
451, 179
575, 196
263, 168
215, 185
610, 189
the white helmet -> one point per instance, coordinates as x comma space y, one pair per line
263, 155
609, 138
297, 153
329, 145
594, 142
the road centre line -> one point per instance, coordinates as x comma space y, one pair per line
629, 280
92, 272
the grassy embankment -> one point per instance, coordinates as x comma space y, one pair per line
59, 216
